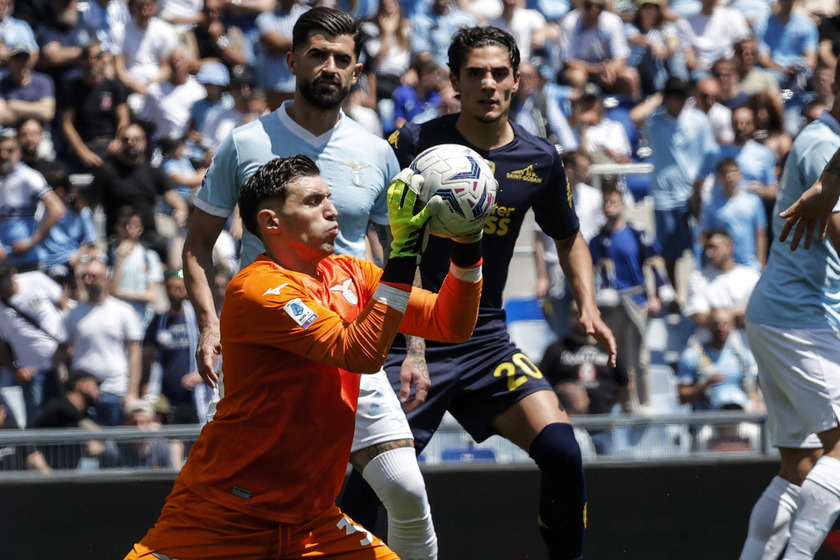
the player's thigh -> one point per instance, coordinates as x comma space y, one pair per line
799, 375
334, 535
192, 528
379, 417
523, 421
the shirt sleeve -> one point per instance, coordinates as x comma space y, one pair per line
218, 194
554, 210
687, 367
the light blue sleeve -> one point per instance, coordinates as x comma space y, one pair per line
90, 234
812, 37
265, 23
760, 29
711, 150
219, 191
759, 215
687, 367
379, 211
770, 170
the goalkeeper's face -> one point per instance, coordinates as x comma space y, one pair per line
305, 223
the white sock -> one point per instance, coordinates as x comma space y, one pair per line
819, 504
397, 480
771, 520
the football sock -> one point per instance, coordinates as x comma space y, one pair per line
770, 521
396, 478
562, 506
819, 504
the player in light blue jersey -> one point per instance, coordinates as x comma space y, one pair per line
358, 167
793, 325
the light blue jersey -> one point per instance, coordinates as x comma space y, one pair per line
739, 216
787, 43
684, 150
355, 164
801, 289
756, 161
273, 73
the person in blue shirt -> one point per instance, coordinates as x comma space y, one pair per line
740, 213
419, 103
621, 252
788, 46
433, 29
793, 325
684, 152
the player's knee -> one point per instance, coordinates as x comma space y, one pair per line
397, 480
555, 448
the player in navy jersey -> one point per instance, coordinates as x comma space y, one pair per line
487, 383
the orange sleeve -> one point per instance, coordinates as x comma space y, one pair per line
449, 315
281, 313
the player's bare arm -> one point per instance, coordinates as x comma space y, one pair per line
576, 261
813, 208
198, 268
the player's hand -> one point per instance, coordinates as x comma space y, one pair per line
813, 207
208, 351
414, 371
409, 218
593, 325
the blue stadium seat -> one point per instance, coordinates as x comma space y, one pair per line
468, 455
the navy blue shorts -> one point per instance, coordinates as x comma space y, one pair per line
674, 232
475, 381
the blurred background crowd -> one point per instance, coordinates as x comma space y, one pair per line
110, 111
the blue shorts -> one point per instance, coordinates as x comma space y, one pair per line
674, 232
475, 381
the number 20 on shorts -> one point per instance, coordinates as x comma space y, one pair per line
521, 362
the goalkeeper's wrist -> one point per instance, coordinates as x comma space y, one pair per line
400, 270
465, 255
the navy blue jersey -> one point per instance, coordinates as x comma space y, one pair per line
530, 175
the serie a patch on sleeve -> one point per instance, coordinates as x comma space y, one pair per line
300, 313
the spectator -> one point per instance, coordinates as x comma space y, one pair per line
61, 36
168, 103
683, 154
725, 72
754, 10
213, 40
70, 410
653, 43
788, 46
108, 19
95, 111
14, 31
551, 289
75, 234
273, 74
151, 453
528, 27
721, 373
179, 168
24, 93
215, 78
127, 179
137, 272
36, 151
540, 113
170, 341
218, 124
621, 252
433, 30
387, 48
711, 35
148, 41
753, 78
740, 213
356, 106
593, 48
182, 14
821, 85
103, 338
755, 161
419, 103
829, 48
769, 127
603, 139
706, 94
30, 324
21, 191
578, 358
721, 283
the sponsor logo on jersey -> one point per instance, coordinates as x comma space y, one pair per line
300, 313
528, 174
275, 291
346, 291
357, 171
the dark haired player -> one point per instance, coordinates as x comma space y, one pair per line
487, 383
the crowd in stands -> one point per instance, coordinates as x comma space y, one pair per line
117, 106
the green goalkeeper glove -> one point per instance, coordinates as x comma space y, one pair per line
409, 223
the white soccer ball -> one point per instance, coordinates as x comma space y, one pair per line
464, 180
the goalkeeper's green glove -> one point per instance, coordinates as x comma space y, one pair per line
408, 216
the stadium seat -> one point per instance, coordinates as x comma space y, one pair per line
527, 326
468, 455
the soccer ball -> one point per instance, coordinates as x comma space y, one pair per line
464, 180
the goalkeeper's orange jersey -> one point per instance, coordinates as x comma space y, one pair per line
279, 443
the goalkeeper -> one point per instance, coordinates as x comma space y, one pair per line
299, 326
